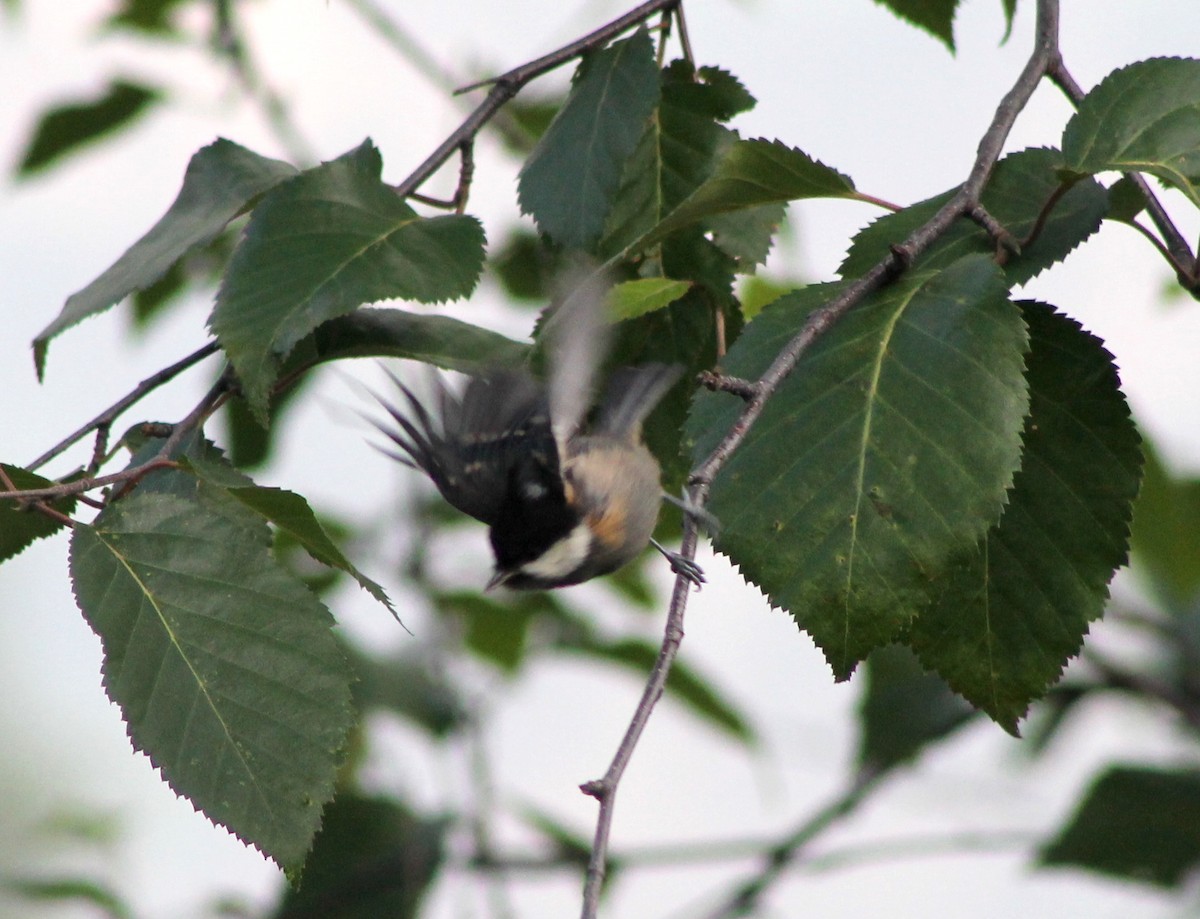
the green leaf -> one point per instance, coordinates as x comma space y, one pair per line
569, 180
225, 668
631, 299
412, 686
1141, 118
751, 173
1137, 823
886, 450
322, 244
497, 630
290, 511
1016, 194
21, 527
678, 151
152, 17
1125, 200
748, 235
221, 180
71, 125
903, 709
1166, 532
1013, 611
439, 340
62, 890
373, 858
934, 16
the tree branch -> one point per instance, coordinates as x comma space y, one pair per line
965, 202
507, 85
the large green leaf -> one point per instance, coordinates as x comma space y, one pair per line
1137, 823
678, 151
1016, 194
225, 667
67, 127
221, 180
887, 450
631, 299
20, 527
1141, 118
751, 173
322, 244
569, 180
1014, 610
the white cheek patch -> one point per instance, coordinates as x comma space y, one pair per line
562, 557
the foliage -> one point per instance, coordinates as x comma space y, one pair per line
928, 475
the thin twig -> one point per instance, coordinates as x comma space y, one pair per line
106, 418
507, 85
963, 203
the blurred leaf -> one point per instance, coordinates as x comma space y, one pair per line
406, 686
1015, 195
21, 527
322, 244
569, 180
1135, 822
631, 299
250, 444
934, 16
225, 668
1141, 118
1166, 532
151, 17
526, 267
886, 450
373, 858
497, 630
1013, 611
221, 180
63, 890
570, 845
757, 292
71, 125
684, 685
903, 709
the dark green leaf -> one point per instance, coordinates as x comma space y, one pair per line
934, 16
569, 180
322, 244
751, 173
20, 527
677, 152
290, 511
1010, 11
1013, 611
1166, 532
1125, 200
225, 668
527, 267
221, 180
497, 630
373, 858
631, 299
1141, 118
151, 17
1137, 823
67, 127
747, 235
1016, 194
903, 709
886, 450
438, 340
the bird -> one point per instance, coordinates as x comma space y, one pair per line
564, 501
